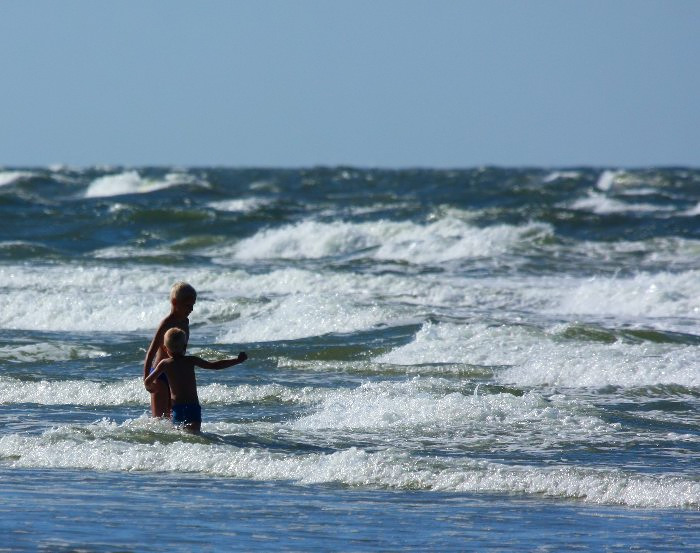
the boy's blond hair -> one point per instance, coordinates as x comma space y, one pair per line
182, 290
175, 340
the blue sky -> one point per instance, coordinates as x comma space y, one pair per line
387, 83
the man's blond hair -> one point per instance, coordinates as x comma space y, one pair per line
182, 290
175, 340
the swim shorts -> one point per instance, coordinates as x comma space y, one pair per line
162, 376
186, 413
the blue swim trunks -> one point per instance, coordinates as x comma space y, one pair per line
186, 413
162, 376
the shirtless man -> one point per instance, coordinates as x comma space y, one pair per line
182, 299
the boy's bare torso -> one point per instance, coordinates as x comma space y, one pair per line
181, 378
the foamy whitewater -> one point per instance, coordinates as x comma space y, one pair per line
494, 359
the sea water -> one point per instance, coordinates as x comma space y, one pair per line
483, 359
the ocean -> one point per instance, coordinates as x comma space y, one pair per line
487, 359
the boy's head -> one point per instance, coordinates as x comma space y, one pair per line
182, 291
183, 297
175, 340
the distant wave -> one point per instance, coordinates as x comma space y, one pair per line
11, 177
601, 204
446, 239
240, 205
531, 357
292, 303
131, 182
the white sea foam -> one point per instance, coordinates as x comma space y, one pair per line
79, 298
360, 287
692, 212
301, 316
76, 298
422, 407
366, 366
95, 448
442, 343
668, 252
11, 177
342, 211
308, 240
72, 392
47, 351
131, 391
131, 182
240, 205
606, 180
8, 244
667, 300
644, 191
268, 185
293, 303
446, 239
599, 365
247, 393
603, 205
533, 357
629, 183
607, 487
642, 295
126, 252
398, 295
451, 239
561, 175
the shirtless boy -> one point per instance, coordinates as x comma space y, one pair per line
179, 369
182, 299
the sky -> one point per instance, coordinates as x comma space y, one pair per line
368, 83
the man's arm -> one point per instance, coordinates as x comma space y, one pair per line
156, 343
151, 378
218, 365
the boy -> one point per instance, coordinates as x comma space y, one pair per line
182, 299
181, 379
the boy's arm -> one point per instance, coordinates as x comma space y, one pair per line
151, 378
218, 365
156, 343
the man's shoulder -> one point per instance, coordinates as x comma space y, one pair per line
169, 321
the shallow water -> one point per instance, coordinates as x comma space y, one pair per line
96, 512
439, 360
